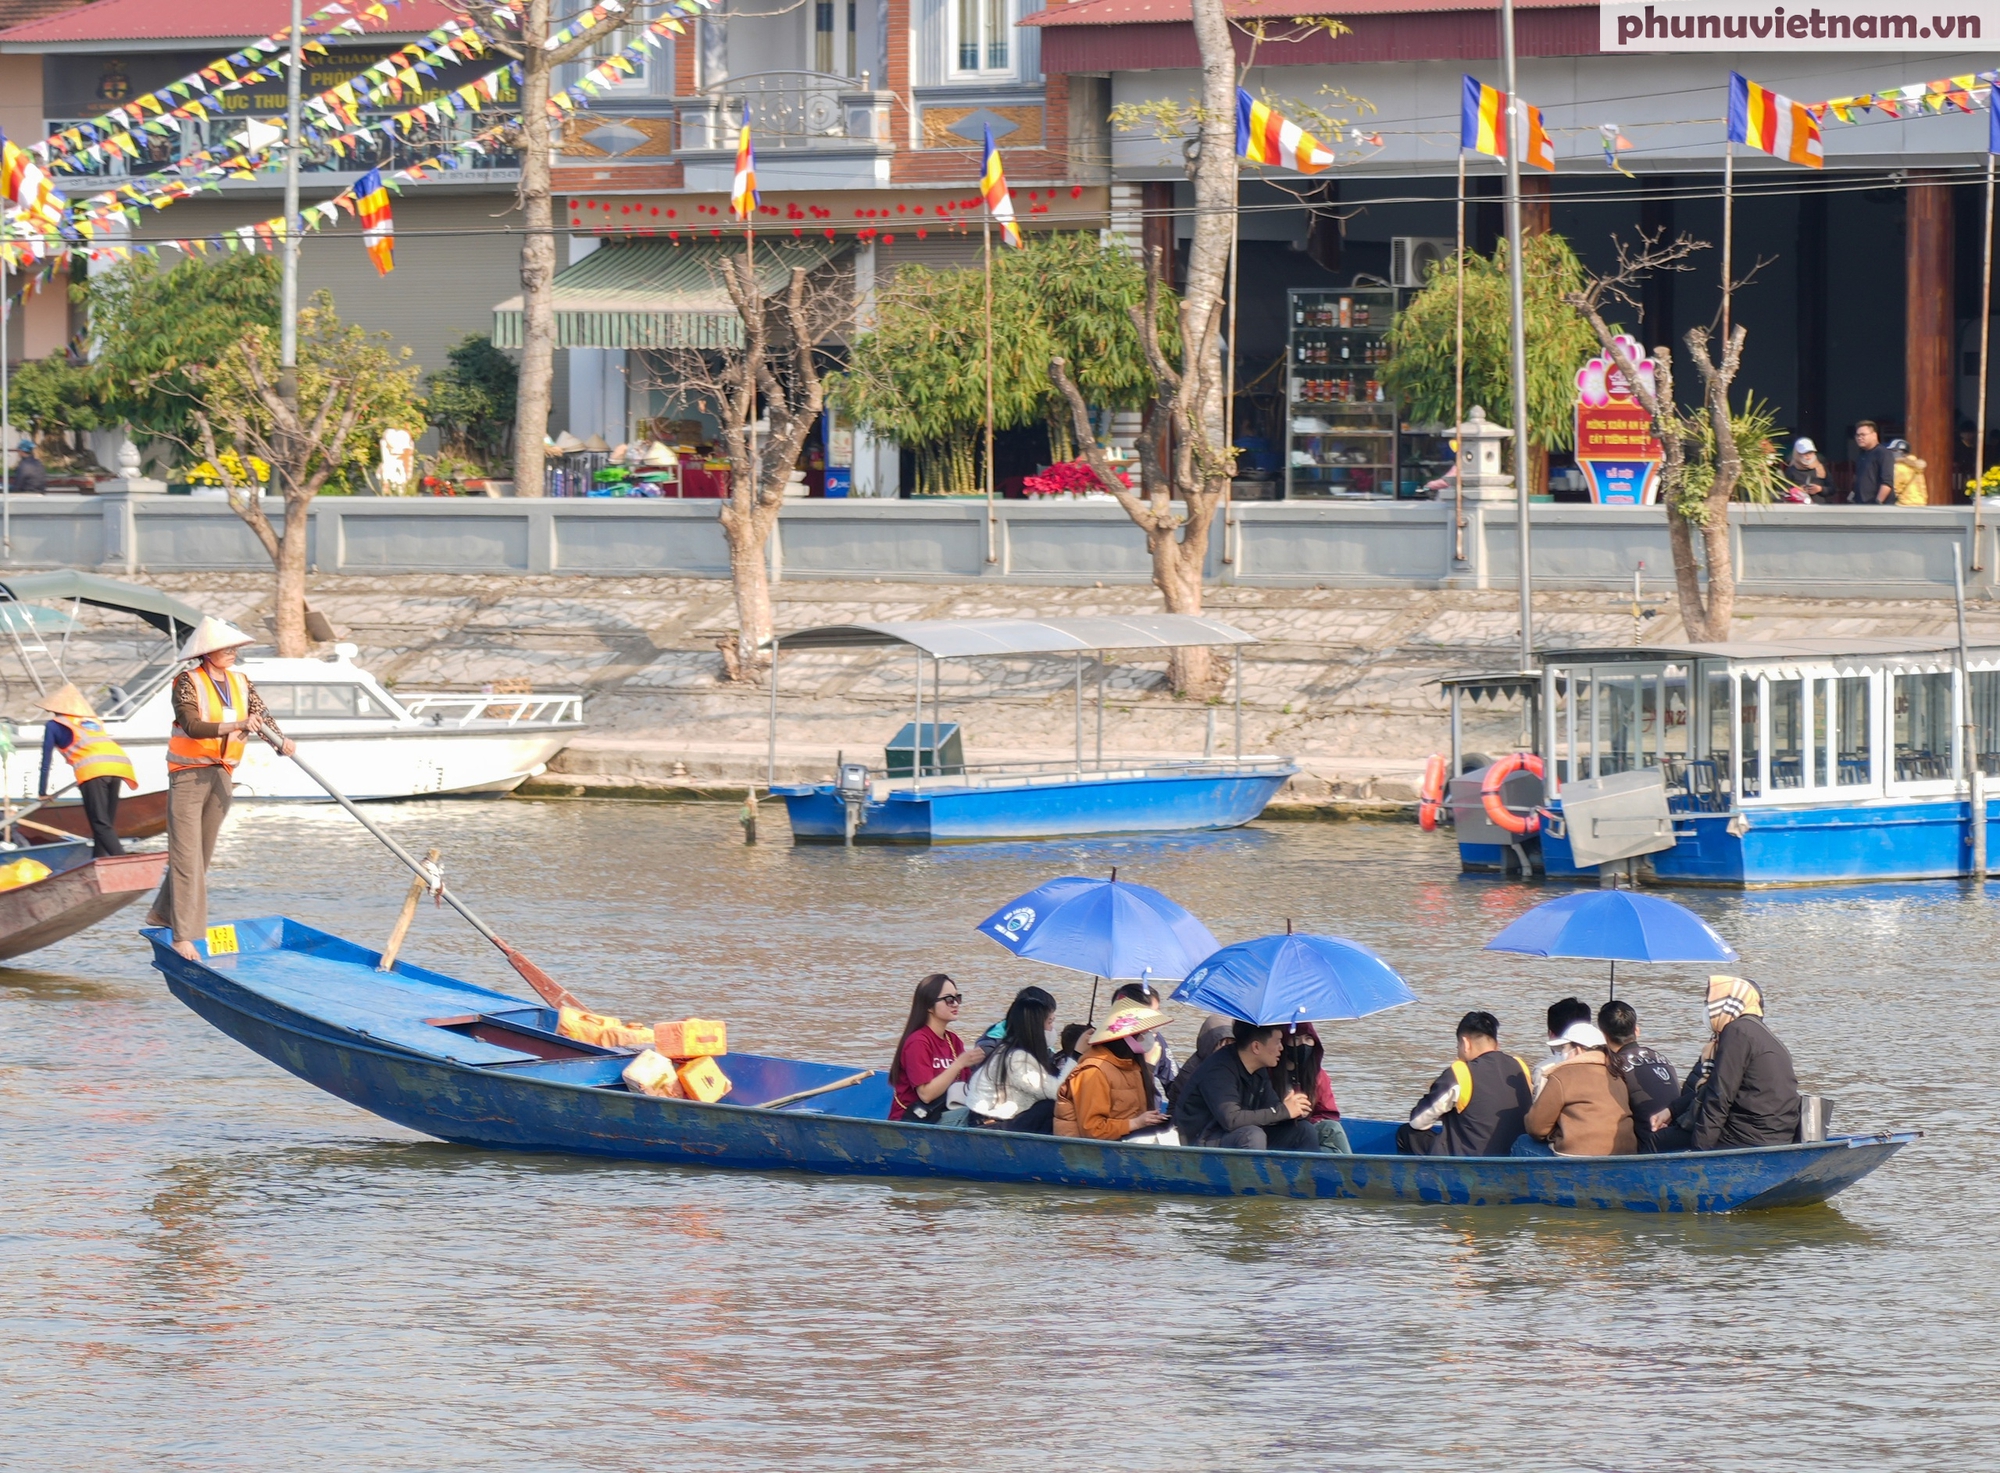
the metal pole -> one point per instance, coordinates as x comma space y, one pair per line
1517, 330
1975, 775
986, 247
1728, 230
1100, 708
288, 310
6, 426
1985, 328
1079, 713
1228, 393
917, 739
773, 776
1458, 384
937, 718
1239, 703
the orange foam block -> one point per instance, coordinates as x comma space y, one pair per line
602, 1030
692, 1038
704, 1080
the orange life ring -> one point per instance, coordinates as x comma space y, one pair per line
1489, 794
1431, 794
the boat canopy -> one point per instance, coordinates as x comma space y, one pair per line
1749, 650
956, 639
164, 612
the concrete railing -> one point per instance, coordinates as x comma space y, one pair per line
1806, 551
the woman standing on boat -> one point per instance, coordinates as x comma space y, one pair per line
97, 763
930, 1057
214, 706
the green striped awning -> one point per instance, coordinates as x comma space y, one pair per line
656, 294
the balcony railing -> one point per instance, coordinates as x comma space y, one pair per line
788, 110
196, 135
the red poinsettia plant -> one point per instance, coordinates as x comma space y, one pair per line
1071, 475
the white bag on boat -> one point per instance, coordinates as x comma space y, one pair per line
653, 1073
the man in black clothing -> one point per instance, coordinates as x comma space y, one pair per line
1481, 1101
1230, 1102
1649, 1078
30, 475
1750, 1095
1874, 467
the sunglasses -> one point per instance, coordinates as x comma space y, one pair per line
951, 997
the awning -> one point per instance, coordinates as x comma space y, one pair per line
164, 612
656, 294
954, 639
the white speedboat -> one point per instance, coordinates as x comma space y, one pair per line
369, 741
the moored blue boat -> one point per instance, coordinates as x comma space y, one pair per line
467, 1064
1783, 762
925, 792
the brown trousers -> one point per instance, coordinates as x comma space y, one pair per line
197, 802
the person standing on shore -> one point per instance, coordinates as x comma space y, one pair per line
214, 707
98, 762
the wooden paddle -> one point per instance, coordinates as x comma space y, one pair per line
806, 1094
552, 991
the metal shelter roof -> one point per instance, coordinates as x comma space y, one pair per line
162, 611
957, 639
1759, 649
660, 294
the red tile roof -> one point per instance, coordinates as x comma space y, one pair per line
113, 21
1170, 12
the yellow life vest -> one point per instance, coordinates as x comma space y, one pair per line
93, 753
212, 705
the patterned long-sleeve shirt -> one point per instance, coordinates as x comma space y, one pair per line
187, 709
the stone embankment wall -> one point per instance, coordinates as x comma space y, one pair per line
1342, 680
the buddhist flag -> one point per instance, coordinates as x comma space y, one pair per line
1482, 122
1993, 124
1541, 149
378, 228
1265, 136
1772, 124
743, 197
25, 186
999, 203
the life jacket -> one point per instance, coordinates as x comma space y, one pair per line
93, 753
212, 705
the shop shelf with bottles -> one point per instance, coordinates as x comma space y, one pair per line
1340, 421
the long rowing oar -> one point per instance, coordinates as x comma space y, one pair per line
806, 1094
551, 990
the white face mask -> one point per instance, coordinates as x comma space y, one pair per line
1139, 1043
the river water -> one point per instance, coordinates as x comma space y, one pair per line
207, 1264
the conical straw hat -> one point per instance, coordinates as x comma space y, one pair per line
68, 701
213, 634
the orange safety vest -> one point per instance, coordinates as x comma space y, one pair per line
93, 753
184, 751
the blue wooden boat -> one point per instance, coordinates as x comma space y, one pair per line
480, 1068
925, 792
1793, 762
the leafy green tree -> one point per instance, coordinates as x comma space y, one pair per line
352, 385
1423, 343
919, 375
471, 400
57, 398
154, 331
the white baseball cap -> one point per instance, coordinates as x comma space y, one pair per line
1803, 446
1583, 1035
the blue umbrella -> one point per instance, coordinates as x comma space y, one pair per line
1614, 926
1108, 928
1294, 979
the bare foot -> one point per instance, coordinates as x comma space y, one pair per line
153, 919
186, 949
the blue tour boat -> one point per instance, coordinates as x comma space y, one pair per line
925, 792
1783, 762
480, 1068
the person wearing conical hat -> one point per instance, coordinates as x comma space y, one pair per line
98, 763
215, 707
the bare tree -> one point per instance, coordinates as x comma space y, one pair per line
521, 29
351, 385
1184, 454
1696, 489
779, 368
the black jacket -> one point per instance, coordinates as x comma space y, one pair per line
30, 476
1486, 1124
1223, 1096
1874, 469
1651, 1082
1751, 1097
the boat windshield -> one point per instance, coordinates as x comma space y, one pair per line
325, 701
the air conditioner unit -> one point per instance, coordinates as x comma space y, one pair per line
1412, 256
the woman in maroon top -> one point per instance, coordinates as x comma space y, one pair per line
930, 1056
